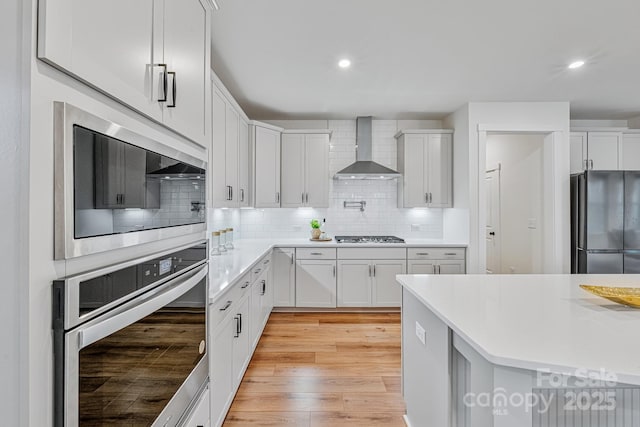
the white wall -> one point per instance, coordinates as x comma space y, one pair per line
381, 215
520, 157
14, 148
634, 123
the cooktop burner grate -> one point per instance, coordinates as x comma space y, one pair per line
368, 239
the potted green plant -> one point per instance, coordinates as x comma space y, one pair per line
315, 229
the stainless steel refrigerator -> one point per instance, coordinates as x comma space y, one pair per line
605, 222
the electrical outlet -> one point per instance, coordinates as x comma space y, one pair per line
421, 334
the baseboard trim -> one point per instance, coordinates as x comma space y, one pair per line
336, 310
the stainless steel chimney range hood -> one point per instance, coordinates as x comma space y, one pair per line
365, 167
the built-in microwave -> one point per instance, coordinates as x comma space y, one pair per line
116, 188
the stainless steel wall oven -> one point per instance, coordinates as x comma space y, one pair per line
115, 188
130, 341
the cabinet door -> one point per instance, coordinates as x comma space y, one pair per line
267, 168
414, 171
284, 280
293, 170
603, 149
438, 167
107, 44
422, 267
451, 267
231, 154
354, 283
315, 283
631, 152
386, 291
185, 53
221, 368
255, 313
578, 151
316, 170
134, 178
243, 165
266, 302
218, 154
241, 337
109, 155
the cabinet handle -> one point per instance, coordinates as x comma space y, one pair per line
173, 91
306, 198
374, 270
231, 193
292, 259
257, 270
277, 197
228, 192
334, 271
264, 287
316, 253
164, 83
430, 197
246, 284
433, 268
422, 253
227, 305
242, 195
237, 327
122, 198
438, 268
266, 261
302, 200
369, 270
426, 197
453, 253
240, 318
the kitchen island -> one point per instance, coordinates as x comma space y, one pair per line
518, 350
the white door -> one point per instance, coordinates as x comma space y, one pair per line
603, 150
414, 171
218, 154
492, 187
631, 152
231, 155
422, 267
267, 168
578, 150
292, 176
354, 283
316, 176
315, 283
243, 165
438, 165
284, 292
185, 44
221, 367
86, 38
386, 291
451, 266
240, 339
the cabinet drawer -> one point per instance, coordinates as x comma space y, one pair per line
224, 305
435, 253
244, 284
372, 253
313, 253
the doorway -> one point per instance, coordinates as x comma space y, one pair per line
515, 203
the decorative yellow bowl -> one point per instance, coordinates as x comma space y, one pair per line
625, 296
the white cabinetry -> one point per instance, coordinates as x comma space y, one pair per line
597, 150
230, 155
425, 161
367, 279
199, 416
631, 151
436, 261
221, 363
261, 301
316, 278
241, 339
305, 169
152, 55
284, 277
265, 144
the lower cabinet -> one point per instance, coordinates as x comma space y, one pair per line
221, 368
284, 277
240, 348
316, 283
199, 416
443, 266
369, 283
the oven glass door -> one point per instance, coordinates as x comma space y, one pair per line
127, 374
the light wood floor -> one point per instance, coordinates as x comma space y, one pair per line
321, 370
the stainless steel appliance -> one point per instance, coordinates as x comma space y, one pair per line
605, 222
368, 239
116, 188
130, 341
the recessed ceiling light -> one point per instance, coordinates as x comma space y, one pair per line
576, 64
344, 63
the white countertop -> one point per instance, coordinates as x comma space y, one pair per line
226, 269
537, 321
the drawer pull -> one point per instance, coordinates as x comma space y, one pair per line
245, 285
266, 262
257, 270
227, 305
422, 253
316, 253
450, 253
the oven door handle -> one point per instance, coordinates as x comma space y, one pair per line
139, 308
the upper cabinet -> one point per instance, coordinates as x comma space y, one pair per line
631, 150
152, 55
425, 161
265, 146
305, 169
596, 150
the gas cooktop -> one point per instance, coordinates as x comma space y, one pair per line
368, 239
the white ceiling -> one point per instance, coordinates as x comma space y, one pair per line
426, 58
